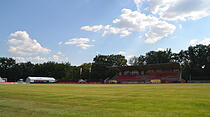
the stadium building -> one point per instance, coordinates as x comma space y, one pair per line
151, 73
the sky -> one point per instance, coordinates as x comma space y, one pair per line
76, 31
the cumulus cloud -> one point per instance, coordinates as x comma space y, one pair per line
154, 23
159, 31
155, 28
114, 30
22, 44
39, 59
134, 21
179, 9
80, 42
95, 28
107, 29
32, 59
137, 2
195, 42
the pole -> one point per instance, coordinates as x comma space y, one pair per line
180, 77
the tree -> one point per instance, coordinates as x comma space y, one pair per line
154, 57
6, 65
137, 61
86, 69
195, 62
102, 66
199, 61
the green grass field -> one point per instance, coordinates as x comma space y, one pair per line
140, 100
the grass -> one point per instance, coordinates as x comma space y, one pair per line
140, 100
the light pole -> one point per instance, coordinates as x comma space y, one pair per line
144, 71
190, 77
180, 77
89, 73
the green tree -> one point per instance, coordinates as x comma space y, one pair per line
6, 65
154, 57
86, 69
102, 66
137, 61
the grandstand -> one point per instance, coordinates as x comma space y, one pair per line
151, 73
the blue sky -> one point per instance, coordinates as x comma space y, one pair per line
78, 30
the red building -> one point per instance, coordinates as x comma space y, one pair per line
151, 73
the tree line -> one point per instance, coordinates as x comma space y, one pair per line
195, 65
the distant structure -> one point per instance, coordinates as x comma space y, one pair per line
3, 79
151, 73
82, 81
40, 80
20, 81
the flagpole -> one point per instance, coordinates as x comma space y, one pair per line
80, 73
89, 71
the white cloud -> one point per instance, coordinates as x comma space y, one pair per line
155, 28
31, 59
95, 28
154, 22
107, 29
130, 21
196, 9
195, 42
80, 42
138, 2
115, 30
55, 58
179, 9
39, 59
22, 44
159, 31
134, 20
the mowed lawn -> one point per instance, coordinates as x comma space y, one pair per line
139, 100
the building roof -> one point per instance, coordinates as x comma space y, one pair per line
41, 78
